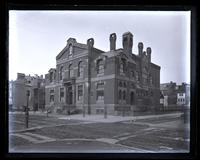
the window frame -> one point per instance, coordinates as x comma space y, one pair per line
100, 90
79, 97
71, 71
80, 69
61, 73
100, 67
63, 97
52, 94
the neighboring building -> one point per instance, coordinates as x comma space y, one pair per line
183, 94
165, 101
187, 95
33, 84
176, 94
161, 100
169, 90
10, 101
90, 80
181, 98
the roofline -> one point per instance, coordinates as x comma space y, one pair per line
155, 65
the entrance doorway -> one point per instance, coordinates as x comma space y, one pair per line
69, 95
132, 98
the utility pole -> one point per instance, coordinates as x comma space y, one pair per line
27, 110
123, 111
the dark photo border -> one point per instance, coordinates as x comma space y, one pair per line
75, 6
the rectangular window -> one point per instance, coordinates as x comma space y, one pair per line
100, 91
100, 85
51, 95
100, 94
61, 94
100, 67
80, 72
71, 73
80, 92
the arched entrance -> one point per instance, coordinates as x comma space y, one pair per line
132, 98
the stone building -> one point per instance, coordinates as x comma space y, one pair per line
87, 79
35, 86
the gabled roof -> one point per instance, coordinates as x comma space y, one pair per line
52, 69
79, 45
154, 65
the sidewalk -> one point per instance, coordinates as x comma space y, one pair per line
111, 118
100, 118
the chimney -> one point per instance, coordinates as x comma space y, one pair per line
71, 41
90, 42
127, 42
20, 75
140, 48
149, 53
113, 38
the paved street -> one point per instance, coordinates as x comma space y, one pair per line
75, 133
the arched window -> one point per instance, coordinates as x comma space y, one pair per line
70, 50
100, 66
120, 94
122, 65
80, 69
71, 73
61, 72
124, 95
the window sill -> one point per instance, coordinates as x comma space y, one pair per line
100, 101
81, 77
100, 74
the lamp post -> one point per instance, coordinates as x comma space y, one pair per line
27, 110
105, 111
123, 111
83, 110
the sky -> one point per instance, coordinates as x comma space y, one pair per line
37, 37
